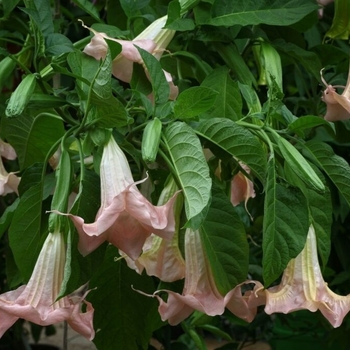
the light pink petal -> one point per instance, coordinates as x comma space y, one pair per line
174, 90
7, 151
174, 310
245, 306
163, 259
8, 181
36, 301
338, 106
200, 292
82, 322
126, 218
97, 48
303, 287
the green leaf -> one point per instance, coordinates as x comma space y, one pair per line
57, 43
8, 6
7, 216
114, 47
108, 113
160, 85
334, 166
299, 164
86, 206
33, 137
40, 13
234, 61
83, 66
194, 101
308, 122
320, 210
320, 205
285, 227
237, 141
215, 330
251, 98
27, 227
124, 316
131, 7
190, 166
251, 12
309, 60
41, 100
174, 21
228, 102
89, 8
225, 243
102, 80
111, 31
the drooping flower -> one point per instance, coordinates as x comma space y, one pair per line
241, 187
126, 218
36, 302
153, 39
338, 106
8, 181
200, 292
162, 257
303, 287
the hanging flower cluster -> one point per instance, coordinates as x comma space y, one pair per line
196, 234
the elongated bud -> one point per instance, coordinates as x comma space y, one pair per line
7, 66
150, 140
269, 64
21, 96
299, 164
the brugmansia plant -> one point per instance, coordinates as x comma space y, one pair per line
174, 162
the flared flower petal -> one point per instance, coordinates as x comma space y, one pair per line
303, 287
36, 301
153, 39
338, 106
8, 181
200, 292
162, 257
126, 218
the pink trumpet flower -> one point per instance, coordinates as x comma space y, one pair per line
338, 106
36, 302
200, 292
126, 218
303, 287
162, 257
153, 39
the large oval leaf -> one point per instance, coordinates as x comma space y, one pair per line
236, 140
191, 169
252, 12
286, 223
334, 166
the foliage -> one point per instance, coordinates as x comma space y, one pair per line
249, 102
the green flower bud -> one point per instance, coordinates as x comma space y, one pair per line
150, 140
